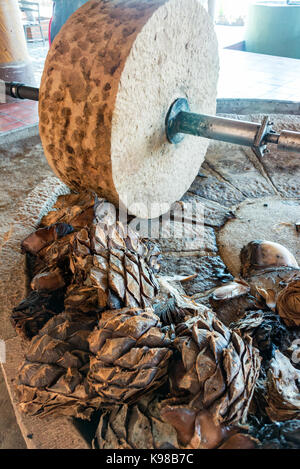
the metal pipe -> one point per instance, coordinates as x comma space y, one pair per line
217, 128
289, 141
181, 121
21, 91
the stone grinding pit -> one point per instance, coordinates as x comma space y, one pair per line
109, 79
245, 199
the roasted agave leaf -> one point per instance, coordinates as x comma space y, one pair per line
57, 253
33, 312
42, 237
48, 280
74, 209
231, 290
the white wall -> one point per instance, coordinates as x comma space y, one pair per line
233, 8
45, 7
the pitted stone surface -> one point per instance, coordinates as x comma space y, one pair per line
209, 271
212, 187
235, 165
269, 218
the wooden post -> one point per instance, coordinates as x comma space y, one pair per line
15, 63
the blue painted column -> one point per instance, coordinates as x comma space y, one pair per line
274, 29
62, 9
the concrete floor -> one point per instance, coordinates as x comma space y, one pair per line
10, 435
22, 167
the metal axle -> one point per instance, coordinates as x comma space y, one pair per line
180, 121
21, 91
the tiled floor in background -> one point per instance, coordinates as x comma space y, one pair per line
23, 113
248, 75
19, 114
242, 75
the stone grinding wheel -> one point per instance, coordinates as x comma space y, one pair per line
109, 80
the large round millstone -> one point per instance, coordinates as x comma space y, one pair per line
110, 77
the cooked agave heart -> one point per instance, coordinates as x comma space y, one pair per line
48, 281
45, 236
216, 367
131, 355
260, 254
269, 297
152, 423
231, 290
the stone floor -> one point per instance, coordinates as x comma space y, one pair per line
10, 435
